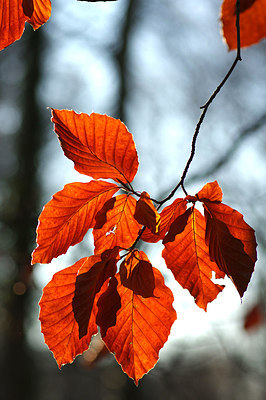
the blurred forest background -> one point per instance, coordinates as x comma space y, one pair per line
152, 64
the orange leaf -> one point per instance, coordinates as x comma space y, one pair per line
146, 214
67, 217
252, 22
232, 243
142, 326
210, 192
115, 225
14, 14
188, 258
59, 327
99, 146
41, 12
168, 215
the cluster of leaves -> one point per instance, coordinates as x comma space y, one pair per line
15, 13
117, 288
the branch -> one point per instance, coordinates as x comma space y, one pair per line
244, 133
205, 109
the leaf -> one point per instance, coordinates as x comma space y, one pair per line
188, 258
110, 302
254, 318
177, 226
252, 22
210, 192
168, 215
146, 214
136, 273
142, 326
67, 217
58, 324
115, 225
232, 243
99, 146
94, 271
14, 14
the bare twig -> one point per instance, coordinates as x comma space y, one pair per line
204, 111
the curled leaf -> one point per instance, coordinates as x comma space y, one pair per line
146, 214
231, 242
14, 14
168, 215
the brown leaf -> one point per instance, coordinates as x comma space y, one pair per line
168, 215
231, 243
94, 271
146, 214
136, 273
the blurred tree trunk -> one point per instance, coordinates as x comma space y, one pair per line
19, 216
122, 57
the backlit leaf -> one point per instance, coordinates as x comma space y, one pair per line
115, 224
142, 327
136, 273
14, 14
67, 217
99, 146
168, 215
108, 305
188, 258
146, 214
252, 22
210, 192
232, 243
94, 271
58, 324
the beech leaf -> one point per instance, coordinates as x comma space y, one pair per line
252, 22
232, 243
136, 273
146, 214
14, 14
188, 258
115, 224
168, 215
94, 271
58, 324
100, 146
142, 327
67, 217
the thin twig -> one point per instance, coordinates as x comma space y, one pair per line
204, 111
